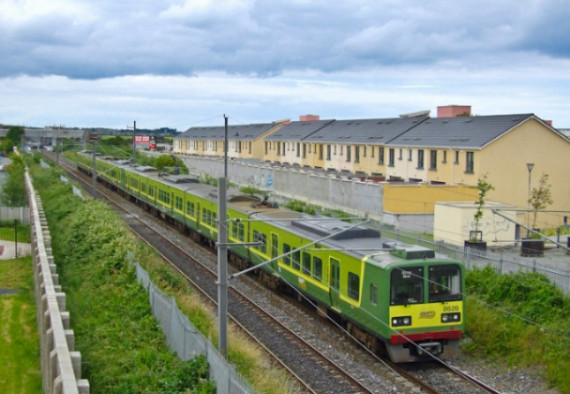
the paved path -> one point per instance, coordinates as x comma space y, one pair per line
8, 250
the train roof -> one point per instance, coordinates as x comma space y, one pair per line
355, 239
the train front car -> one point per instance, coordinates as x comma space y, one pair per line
426, 308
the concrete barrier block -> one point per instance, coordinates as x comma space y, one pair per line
66, 320
83, 386
76, 362
61, 301
70, 338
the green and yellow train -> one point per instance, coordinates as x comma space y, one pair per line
399, 299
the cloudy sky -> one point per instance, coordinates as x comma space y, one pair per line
184, 63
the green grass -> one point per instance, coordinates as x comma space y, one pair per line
7, 232
122, 346
20, 355
521, 319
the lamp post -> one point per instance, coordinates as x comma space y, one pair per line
529, 166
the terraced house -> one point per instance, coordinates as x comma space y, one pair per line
430, 155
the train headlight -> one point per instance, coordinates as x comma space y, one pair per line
450, 317
401, 321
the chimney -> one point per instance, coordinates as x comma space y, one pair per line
309, 118
451, 111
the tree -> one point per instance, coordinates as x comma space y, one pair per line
14, 189
13, 138
483, 187
540, 197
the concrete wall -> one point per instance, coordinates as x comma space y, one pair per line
454, 220
60, 363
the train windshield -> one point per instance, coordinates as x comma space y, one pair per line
407, 286
444, 283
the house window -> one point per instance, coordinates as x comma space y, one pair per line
266, 147
400, 154
357, 154
469, 162
381, 155
409, 155
391, 157
320, 151
298, 149
433, 160
444, 157
328, 152
420, 159
304, 151
456, 157
371, 151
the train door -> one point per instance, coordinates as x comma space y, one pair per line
274, 249
334, 282
198, 213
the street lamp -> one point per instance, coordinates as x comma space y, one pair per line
529, 166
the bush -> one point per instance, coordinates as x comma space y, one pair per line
521, 318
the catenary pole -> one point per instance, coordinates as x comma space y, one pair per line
223, 251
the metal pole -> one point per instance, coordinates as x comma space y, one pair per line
529, 166
223, 253
225, 146
16, 237
134, 147
94, 172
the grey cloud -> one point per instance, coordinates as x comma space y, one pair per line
267, 38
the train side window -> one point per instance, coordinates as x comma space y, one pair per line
178, 203
274, 245
297, 260
189, 208
306, 263
241, 232
353, 285
317, 268
335, 274
260, 237
286, 259
151, 190
143, 186
373, 294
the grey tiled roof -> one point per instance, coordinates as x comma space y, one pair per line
299, 130
363, 131
235, 132
459, 132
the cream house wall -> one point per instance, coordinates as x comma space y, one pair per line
505, 163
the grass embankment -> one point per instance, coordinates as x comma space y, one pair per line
123, 349
20, 353
522, 319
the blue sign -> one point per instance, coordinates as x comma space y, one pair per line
269, 181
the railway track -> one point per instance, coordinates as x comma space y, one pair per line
314, 371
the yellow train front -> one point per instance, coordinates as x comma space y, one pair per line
421, 310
